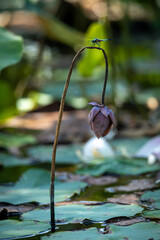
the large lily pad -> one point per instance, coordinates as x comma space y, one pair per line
119, 165
11, 47
88, 234
34, 187
65, 154
14, 229
77, 213
143, 231
152, 197
151, 214
16, 140
11, 161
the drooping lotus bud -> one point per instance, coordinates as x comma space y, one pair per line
101, 119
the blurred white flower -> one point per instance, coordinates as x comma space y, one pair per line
96, 148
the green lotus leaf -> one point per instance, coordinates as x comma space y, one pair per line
151, 214
16, 140
65, 154
11, 161
11, 47
119, 165
16, 229
77, 213
88, 234
128, 146
143, 231
152, 197
34, 186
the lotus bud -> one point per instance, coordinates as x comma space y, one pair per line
101, 119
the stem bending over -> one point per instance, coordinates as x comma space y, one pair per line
59, 124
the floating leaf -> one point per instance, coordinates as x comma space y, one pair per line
65, 154
14, 229
119, 165
151, 214
143, 231
11, 161
16, 140
34, 187
11, 47
127, 146
152, 197
77, 213
88, 234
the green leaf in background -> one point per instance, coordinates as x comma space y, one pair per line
57, 30
142, 231
10, 161
84, 87
144, 95
76, 89
93, 58
34, 186
65, 154
16, 140
8, 100
77, 213
11, 47
153, 197
6, 90
119, 165
144, 65
88, 234
128, 146
15, 229
151, 214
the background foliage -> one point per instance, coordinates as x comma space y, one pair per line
50, 33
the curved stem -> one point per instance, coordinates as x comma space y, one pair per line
59, 124
105, 78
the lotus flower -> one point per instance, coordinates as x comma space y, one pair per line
101, 119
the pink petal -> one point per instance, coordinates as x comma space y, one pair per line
107, 131
94, 104
100, 124
91, 124
104, 111
93, 113
111, 115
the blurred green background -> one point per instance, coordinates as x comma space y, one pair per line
38, 39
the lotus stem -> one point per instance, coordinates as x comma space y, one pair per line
52, 205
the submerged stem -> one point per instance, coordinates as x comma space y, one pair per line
59, 124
